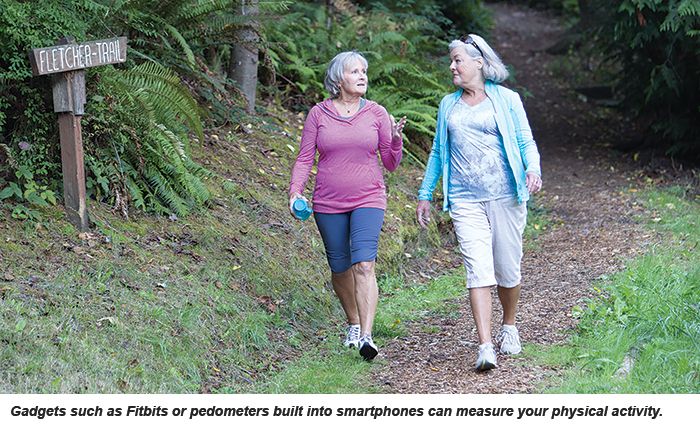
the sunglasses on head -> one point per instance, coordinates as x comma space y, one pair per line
468, 40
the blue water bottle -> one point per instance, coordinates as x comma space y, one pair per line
301, 208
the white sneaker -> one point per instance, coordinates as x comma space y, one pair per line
352, 339
487, 357
368, 350
509, 340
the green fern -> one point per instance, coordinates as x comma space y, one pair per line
165, 192
159, 92
189, 55
402, 75
151, 168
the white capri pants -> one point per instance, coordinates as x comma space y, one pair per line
490, 235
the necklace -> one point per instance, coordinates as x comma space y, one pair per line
350, 107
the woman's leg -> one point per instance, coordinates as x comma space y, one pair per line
509, 300
473, 232
474, 236
344, 287
480, 300
335, 232
366, 294
508, 220
365, 226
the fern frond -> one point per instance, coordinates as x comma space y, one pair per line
165, 192
163, 95
189, 55
689, 8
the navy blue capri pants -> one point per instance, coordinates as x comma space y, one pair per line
350, 237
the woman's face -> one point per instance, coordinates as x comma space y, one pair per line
465, 69
354, 79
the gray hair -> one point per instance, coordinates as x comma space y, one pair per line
336, 68
494, 69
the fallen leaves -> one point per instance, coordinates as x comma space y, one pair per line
268, 303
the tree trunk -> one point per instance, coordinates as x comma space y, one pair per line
243, 67
212, 54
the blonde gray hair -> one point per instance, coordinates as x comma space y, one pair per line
493, 69
336, 68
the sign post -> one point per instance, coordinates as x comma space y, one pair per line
67, 62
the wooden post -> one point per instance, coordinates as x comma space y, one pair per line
73, 170
67, 62
69, 103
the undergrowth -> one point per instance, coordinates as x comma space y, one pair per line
641, 335
219, 301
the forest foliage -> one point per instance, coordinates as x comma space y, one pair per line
143, 117
655, 46
649, 53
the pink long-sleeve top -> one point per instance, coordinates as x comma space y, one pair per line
348, 175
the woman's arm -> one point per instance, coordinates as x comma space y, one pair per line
526, 142
433, 168
390, 145
432, 173
307, 153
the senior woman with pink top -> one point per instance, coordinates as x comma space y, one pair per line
349, 197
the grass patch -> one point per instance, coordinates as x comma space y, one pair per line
328, 368
400, 306
648, 314
325, 369
220, 301
538, 221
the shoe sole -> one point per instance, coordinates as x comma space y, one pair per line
486, 365
352, 345
367, 352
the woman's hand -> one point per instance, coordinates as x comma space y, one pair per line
423, 213
293, 197
533, 182
397, 128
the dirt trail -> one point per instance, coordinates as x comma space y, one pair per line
594, 230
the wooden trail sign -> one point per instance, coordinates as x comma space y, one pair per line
64, 58
66, 62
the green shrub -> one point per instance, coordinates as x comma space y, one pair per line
656, 44
138, 117
406, 54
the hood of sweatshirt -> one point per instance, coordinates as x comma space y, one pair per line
329, 109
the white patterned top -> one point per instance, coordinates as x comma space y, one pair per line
479, 170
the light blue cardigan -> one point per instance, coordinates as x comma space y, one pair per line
521, 150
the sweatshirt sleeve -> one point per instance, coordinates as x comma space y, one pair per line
431, 174
307, 153
390, 148
526, 142
433, 168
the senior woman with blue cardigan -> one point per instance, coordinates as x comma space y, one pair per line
487, 158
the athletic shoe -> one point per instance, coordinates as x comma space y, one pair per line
487, 357
509, 340
352, 339
368, 350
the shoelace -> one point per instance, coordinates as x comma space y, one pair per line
484, 348
353, 333
509, 337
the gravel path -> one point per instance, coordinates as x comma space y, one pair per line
594, 230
